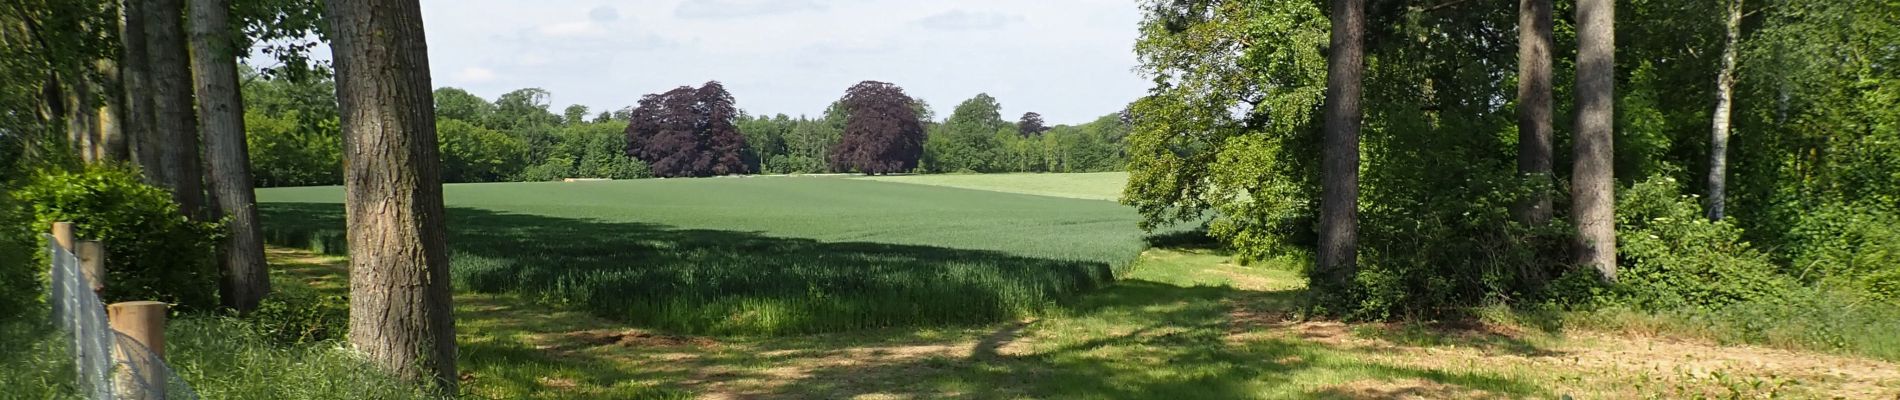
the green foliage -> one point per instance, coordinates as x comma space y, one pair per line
1672, 257
20, 282
153, 251
475, 154
295, 314
592, 150
285, 154
293, 131
707, 256
1856, 248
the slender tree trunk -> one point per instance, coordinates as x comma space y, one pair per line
1534, 108
221, 114
80, 126
135, 72
109, 140
400, 314
1339, 168
1593, 185
176, 134
1724, 103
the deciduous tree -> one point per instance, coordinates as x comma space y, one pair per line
1592, 179
400, 312
175, 131
1339, 166
1031, 124
882, 134
244, 281
688, 132
1534, 101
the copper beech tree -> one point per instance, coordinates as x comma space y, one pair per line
881, 134
688, 132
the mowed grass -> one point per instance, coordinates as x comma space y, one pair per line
761, 256
1091, 186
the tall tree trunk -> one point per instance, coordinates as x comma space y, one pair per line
135, 74
221, 114
80, 126
1593, 185
176, 124
1339, 169
400, 312
1724, 103
1534, 100
109, 140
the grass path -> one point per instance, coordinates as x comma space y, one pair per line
1185, 324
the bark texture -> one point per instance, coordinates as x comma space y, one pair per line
1339, 168
1724, 105
1534, 101
136, 97
1593, 186
243, 281
176, 125
109, 139
400, 314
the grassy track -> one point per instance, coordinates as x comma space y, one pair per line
761, 255
1091, 186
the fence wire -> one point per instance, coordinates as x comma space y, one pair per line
110, 364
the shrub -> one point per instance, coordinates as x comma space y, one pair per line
19, 276
1849, 246
294, 315
1671, 257
153, 251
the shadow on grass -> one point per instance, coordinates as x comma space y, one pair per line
1143, 339
723, 282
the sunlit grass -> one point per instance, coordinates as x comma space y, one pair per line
1091, 186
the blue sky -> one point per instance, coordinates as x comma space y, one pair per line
1071, 60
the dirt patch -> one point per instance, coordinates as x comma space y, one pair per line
1405, 389
639, 338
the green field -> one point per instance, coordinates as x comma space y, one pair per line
1091, 186
768, 255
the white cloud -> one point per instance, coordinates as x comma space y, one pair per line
572, 29
1070, 60
743, 8
603, 14
474, 75
957, 20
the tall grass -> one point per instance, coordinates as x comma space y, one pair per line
762, 256
1805, 319
220, 358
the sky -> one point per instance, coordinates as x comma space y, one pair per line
1070, 60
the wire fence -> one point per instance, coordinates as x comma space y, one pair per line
111, 365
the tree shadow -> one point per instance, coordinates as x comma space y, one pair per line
1142, 339
723, 282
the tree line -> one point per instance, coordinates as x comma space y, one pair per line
517, 137
1437, 156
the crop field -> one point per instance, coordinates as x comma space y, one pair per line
1091, 186
760, 256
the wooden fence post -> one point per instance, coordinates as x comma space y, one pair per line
144, 322
92, 263
63, 234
